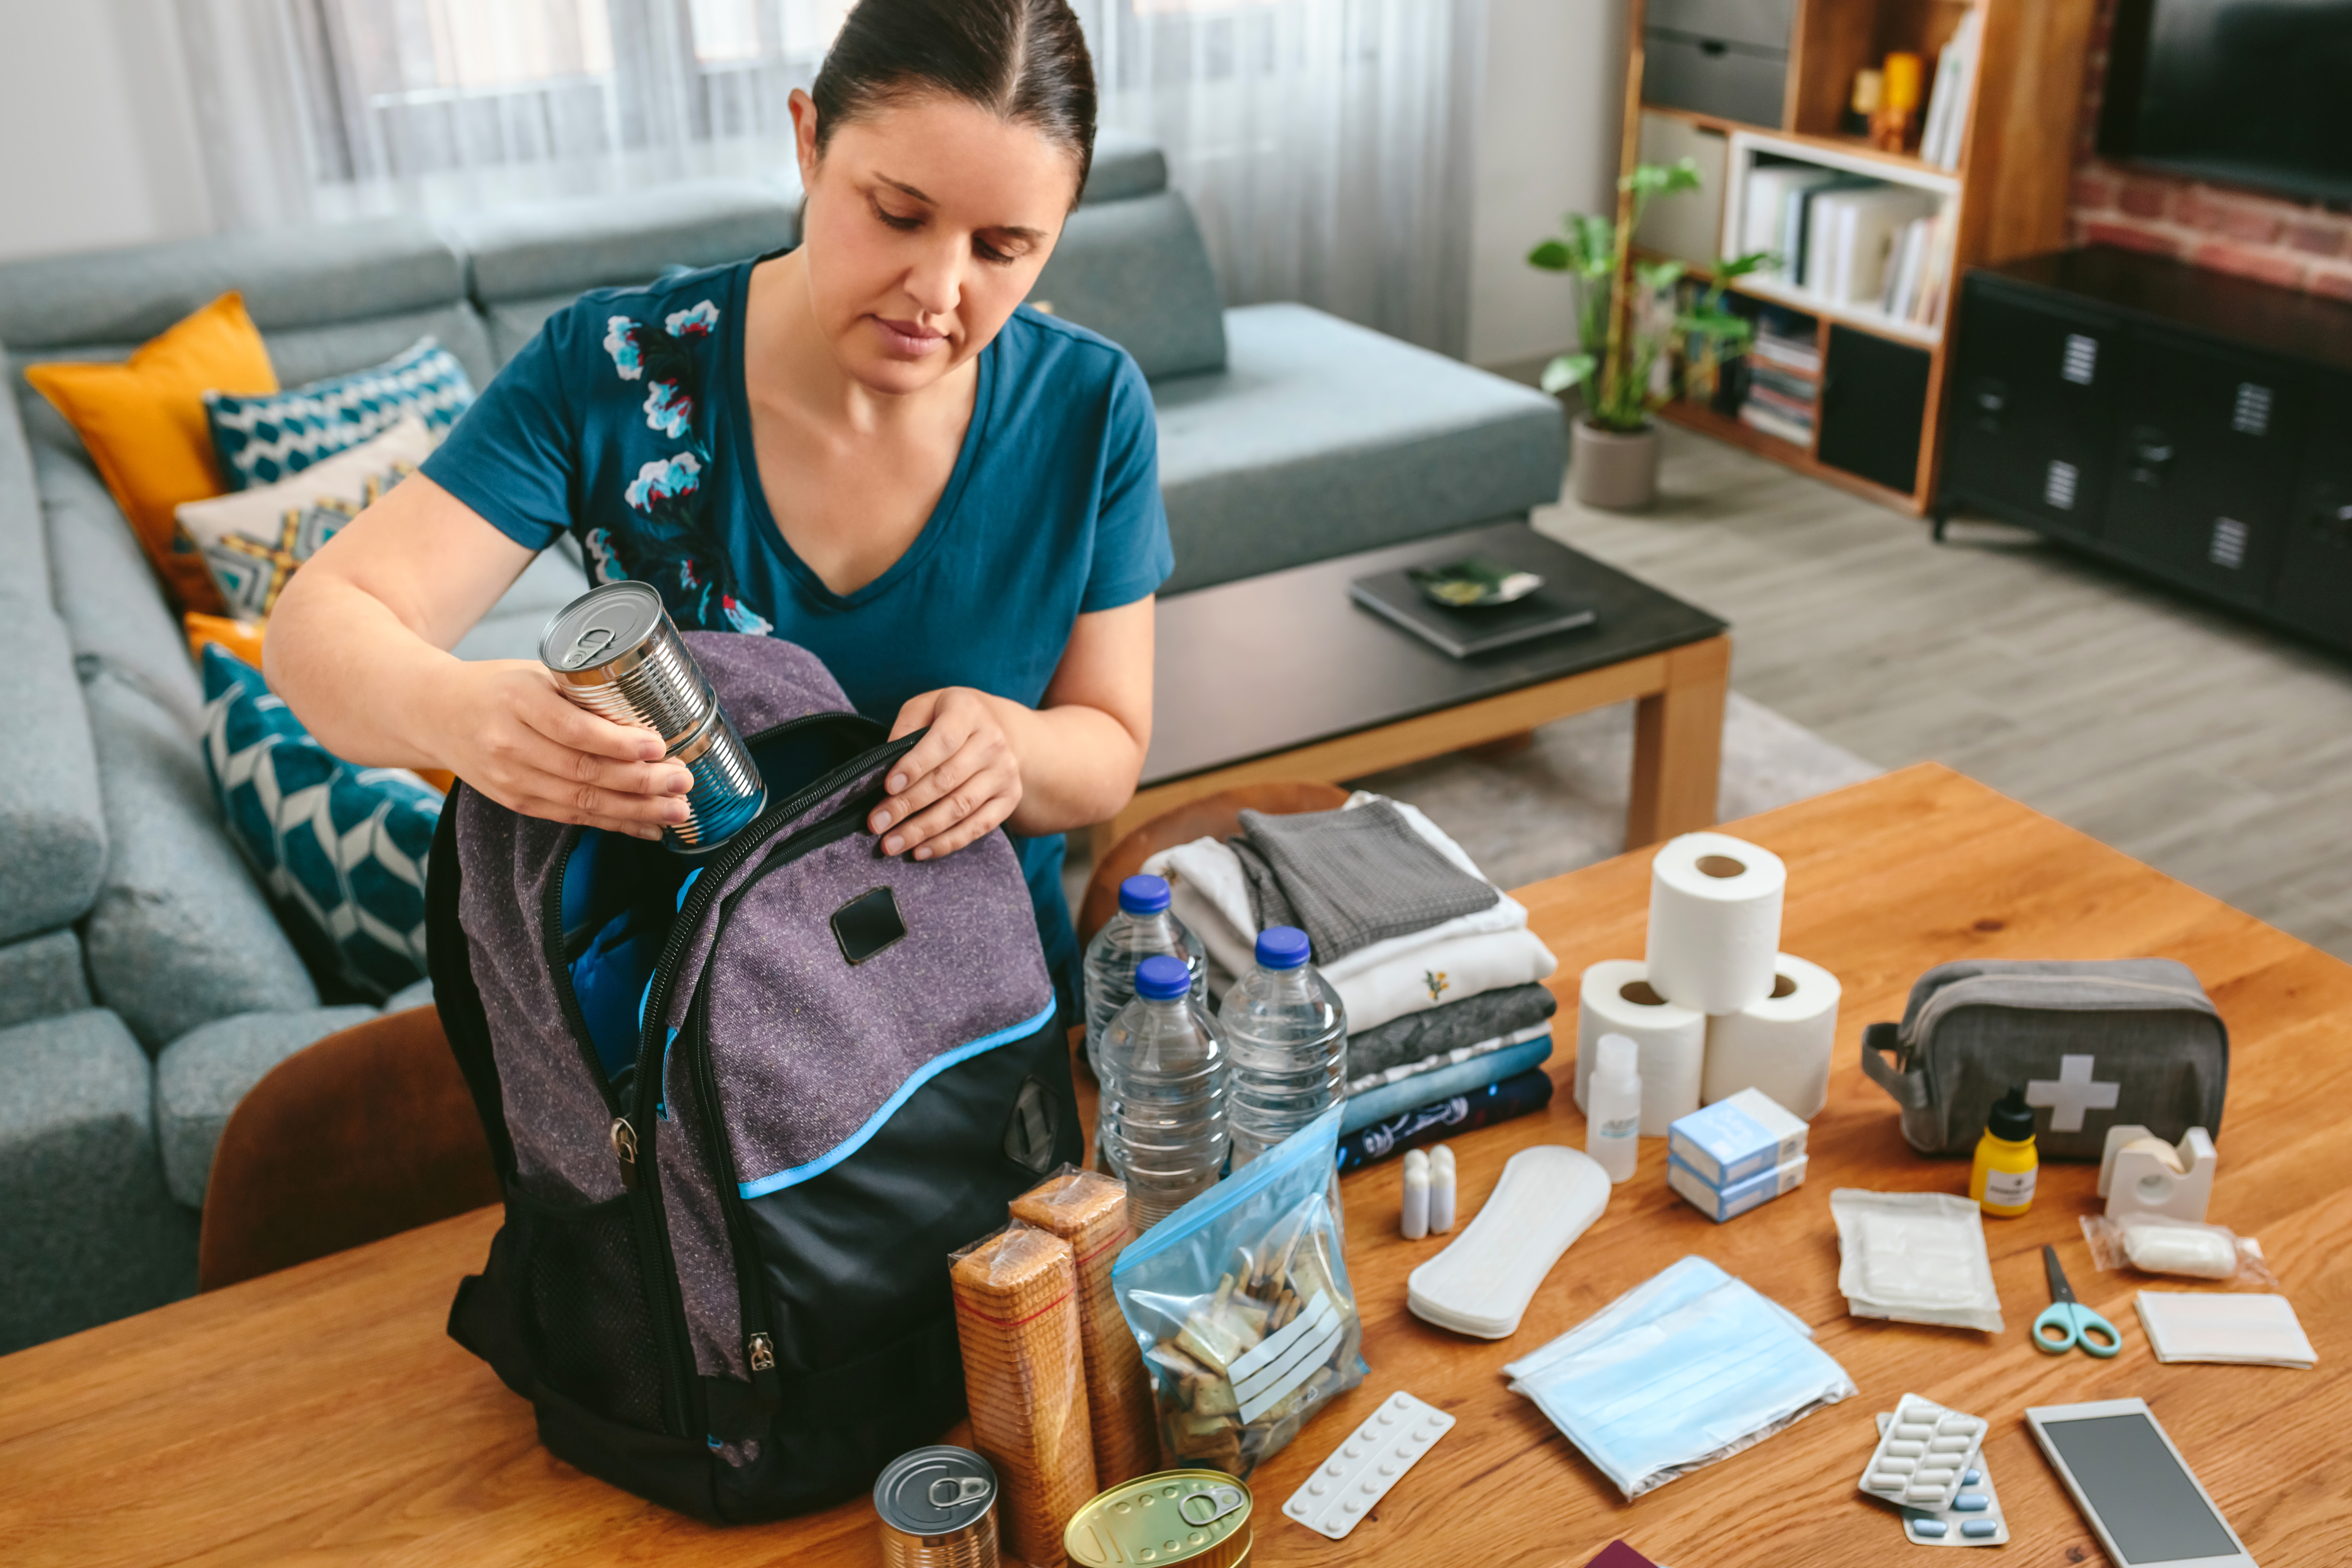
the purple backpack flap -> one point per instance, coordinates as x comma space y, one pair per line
744, 1107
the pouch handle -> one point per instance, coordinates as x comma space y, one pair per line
1908, 1086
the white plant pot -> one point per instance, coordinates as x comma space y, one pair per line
1614, 469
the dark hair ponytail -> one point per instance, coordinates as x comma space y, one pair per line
1024, 60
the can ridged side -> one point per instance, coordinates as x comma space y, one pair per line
728, 790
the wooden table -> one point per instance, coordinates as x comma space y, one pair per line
321, 1415
1284, 676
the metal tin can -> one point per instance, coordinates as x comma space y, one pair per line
1200, 1519
939, 1509
614, 652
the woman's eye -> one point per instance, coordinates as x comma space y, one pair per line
897, 220
994, 254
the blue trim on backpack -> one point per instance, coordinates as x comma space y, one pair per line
921, 1075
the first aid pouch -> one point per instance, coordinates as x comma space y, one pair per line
2096, 1045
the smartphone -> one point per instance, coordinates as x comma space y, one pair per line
2134, 1487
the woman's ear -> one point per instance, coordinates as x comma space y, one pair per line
804, 109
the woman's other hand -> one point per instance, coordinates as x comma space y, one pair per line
961, 781
513, 736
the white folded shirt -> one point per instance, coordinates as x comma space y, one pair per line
1457, 958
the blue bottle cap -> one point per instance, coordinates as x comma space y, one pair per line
1281, 947
1162, 978
1142, 895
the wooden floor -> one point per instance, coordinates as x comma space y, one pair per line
2189, 738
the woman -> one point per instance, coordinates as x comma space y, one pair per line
863, 445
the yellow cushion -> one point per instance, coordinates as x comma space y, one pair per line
143, 422
242, 638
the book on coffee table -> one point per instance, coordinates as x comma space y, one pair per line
1466, 632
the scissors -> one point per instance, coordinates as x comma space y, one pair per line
2066, 1322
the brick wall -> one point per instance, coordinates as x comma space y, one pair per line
2298, 244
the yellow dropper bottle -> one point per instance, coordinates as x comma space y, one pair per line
2002, 1181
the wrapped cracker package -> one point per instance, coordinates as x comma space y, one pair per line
1089, 1210
1017, 1319
1241, 1306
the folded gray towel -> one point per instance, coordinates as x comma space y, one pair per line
1417, 1035
1355, 878
1268, 908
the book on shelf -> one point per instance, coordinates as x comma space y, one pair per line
1797, 410
1758, 417
1799, 389
1945, 129
1901, 295
1851, 238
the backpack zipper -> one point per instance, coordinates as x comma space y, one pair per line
758, 839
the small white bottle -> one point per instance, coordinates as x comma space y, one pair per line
1612, 1114
1441, 1189
1416, 1195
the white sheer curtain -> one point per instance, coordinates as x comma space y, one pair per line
1324, 144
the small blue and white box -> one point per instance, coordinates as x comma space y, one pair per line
1736, 1137
1720, 1204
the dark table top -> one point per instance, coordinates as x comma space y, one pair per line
2165, 289
1269, 664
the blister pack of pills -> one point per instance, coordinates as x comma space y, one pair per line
1921, 1457
1347, 1486
1975, 1517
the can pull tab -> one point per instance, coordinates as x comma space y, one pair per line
945, 1492
591, 643
1209, 1505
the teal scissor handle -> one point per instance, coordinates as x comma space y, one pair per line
2074, 1324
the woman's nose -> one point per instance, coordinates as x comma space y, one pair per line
936, 281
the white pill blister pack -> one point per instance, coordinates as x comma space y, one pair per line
1975, 1517
1921, 1456
1347, 1486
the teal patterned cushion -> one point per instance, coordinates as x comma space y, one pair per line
262, 439
342, 849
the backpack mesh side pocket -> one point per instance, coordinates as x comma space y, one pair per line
579, 1286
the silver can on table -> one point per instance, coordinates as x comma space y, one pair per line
614, 651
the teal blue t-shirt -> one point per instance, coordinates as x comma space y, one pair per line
625, 423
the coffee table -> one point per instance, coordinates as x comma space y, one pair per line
321, 1415
1284, 676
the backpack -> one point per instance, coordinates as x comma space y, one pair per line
743, 1107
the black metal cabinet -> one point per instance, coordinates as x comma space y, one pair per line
1874, 407
2315, 580
2031, 419
2196, 426
2207, 442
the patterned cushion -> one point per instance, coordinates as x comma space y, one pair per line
253, 540
261, 440
341, 849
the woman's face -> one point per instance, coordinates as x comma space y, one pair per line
928, 221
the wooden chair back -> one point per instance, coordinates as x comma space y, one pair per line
363, 1134
1216, 816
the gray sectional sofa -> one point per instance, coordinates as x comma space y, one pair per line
144, 982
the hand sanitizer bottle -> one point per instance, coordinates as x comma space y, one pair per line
1612, 1114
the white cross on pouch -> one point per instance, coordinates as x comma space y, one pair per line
2073, 1093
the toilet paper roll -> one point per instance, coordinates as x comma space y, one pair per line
1615, 997
1715, 922
1780, 1045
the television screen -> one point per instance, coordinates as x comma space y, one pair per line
2256, 93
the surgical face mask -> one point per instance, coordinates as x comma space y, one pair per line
1685, 1369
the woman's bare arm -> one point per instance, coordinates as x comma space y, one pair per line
358, 647
988, 761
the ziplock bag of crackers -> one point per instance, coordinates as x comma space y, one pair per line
1239, 1303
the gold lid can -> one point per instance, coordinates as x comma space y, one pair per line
1200, 1519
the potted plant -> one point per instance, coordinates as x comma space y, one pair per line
1707, 337
1614, 445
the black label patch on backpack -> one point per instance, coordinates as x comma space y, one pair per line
867, 924
1034, 1128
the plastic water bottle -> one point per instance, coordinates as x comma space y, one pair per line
1141, 928
1162, 1126
1287, 1030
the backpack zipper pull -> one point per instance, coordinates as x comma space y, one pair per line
760, 1352
625, 1149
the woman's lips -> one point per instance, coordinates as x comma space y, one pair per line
906, 340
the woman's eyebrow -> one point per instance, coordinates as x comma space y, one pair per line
1014, 230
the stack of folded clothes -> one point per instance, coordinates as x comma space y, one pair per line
1448, 1023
